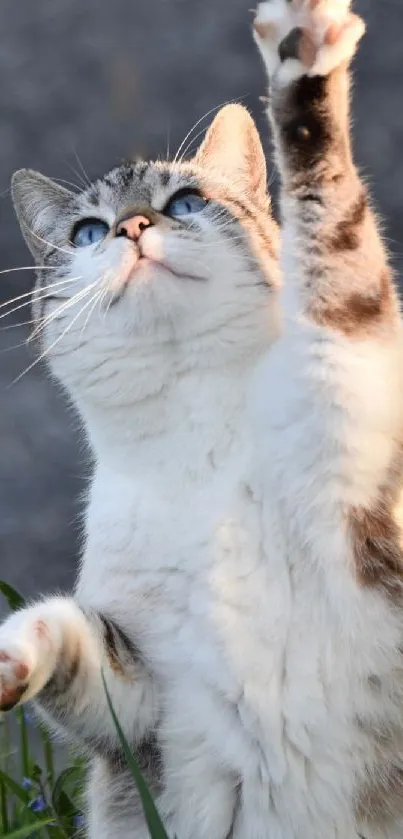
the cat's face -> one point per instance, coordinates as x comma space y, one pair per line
152, 258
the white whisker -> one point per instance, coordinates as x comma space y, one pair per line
63, 307
87, 180
14, 347
42, 288
23, 305
110, 301
96, 299
211, 111
29, 268
69, 183
189, 144
82, 184
43, 355
103, 295
17, 325
49, 244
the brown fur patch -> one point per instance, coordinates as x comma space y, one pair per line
115, 664
381, 797
55, 694
376, 544
379, 801
376, 536
121, 653
112, 651
75, 664
306, 129
346, 236
357, 312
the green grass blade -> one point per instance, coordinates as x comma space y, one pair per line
28, 830
14, 600
3, 807
17, 790
62, 802
66, 813
24, 747
153, 819
4, 757
68, 776
48, 755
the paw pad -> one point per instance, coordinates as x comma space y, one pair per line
320, 34
10, 697
13, 680
290, 45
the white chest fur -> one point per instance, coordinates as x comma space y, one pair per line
259, 658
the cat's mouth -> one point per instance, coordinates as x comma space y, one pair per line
147, 261
150, 264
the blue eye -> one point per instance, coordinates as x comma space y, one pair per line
185, 203
89, 231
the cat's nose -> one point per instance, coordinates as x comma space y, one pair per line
133, 227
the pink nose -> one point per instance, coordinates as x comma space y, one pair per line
133, 227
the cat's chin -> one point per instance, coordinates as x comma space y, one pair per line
138, 270
145, 272
148, 268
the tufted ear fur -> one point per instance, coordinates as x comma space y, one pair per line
232, 148
41, 205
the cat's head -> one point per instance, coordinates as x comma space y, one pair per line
155, 267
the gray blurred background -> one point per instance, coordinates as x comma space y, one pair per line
84, 84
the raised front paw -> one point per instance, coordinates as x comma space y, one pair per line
14, 678
29, 646
306, 37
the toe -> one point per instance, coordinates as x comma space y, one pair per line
11, 692
266, 31
299, 45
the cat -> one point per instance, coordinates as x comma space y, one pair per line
164, 297
241, 580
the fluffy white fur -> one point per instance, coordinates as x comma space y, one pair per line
214, 536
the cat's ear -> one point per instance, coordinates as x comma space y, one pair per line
41, 206
232, 148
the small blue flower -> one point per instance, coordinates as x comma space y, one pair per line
26, 783
29, 715
38, 805
79, 821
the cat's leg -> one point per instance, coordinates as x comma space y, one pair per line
333, 256
200, 792
54, 652
114, 806
195, 796
330, 412
342, 321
